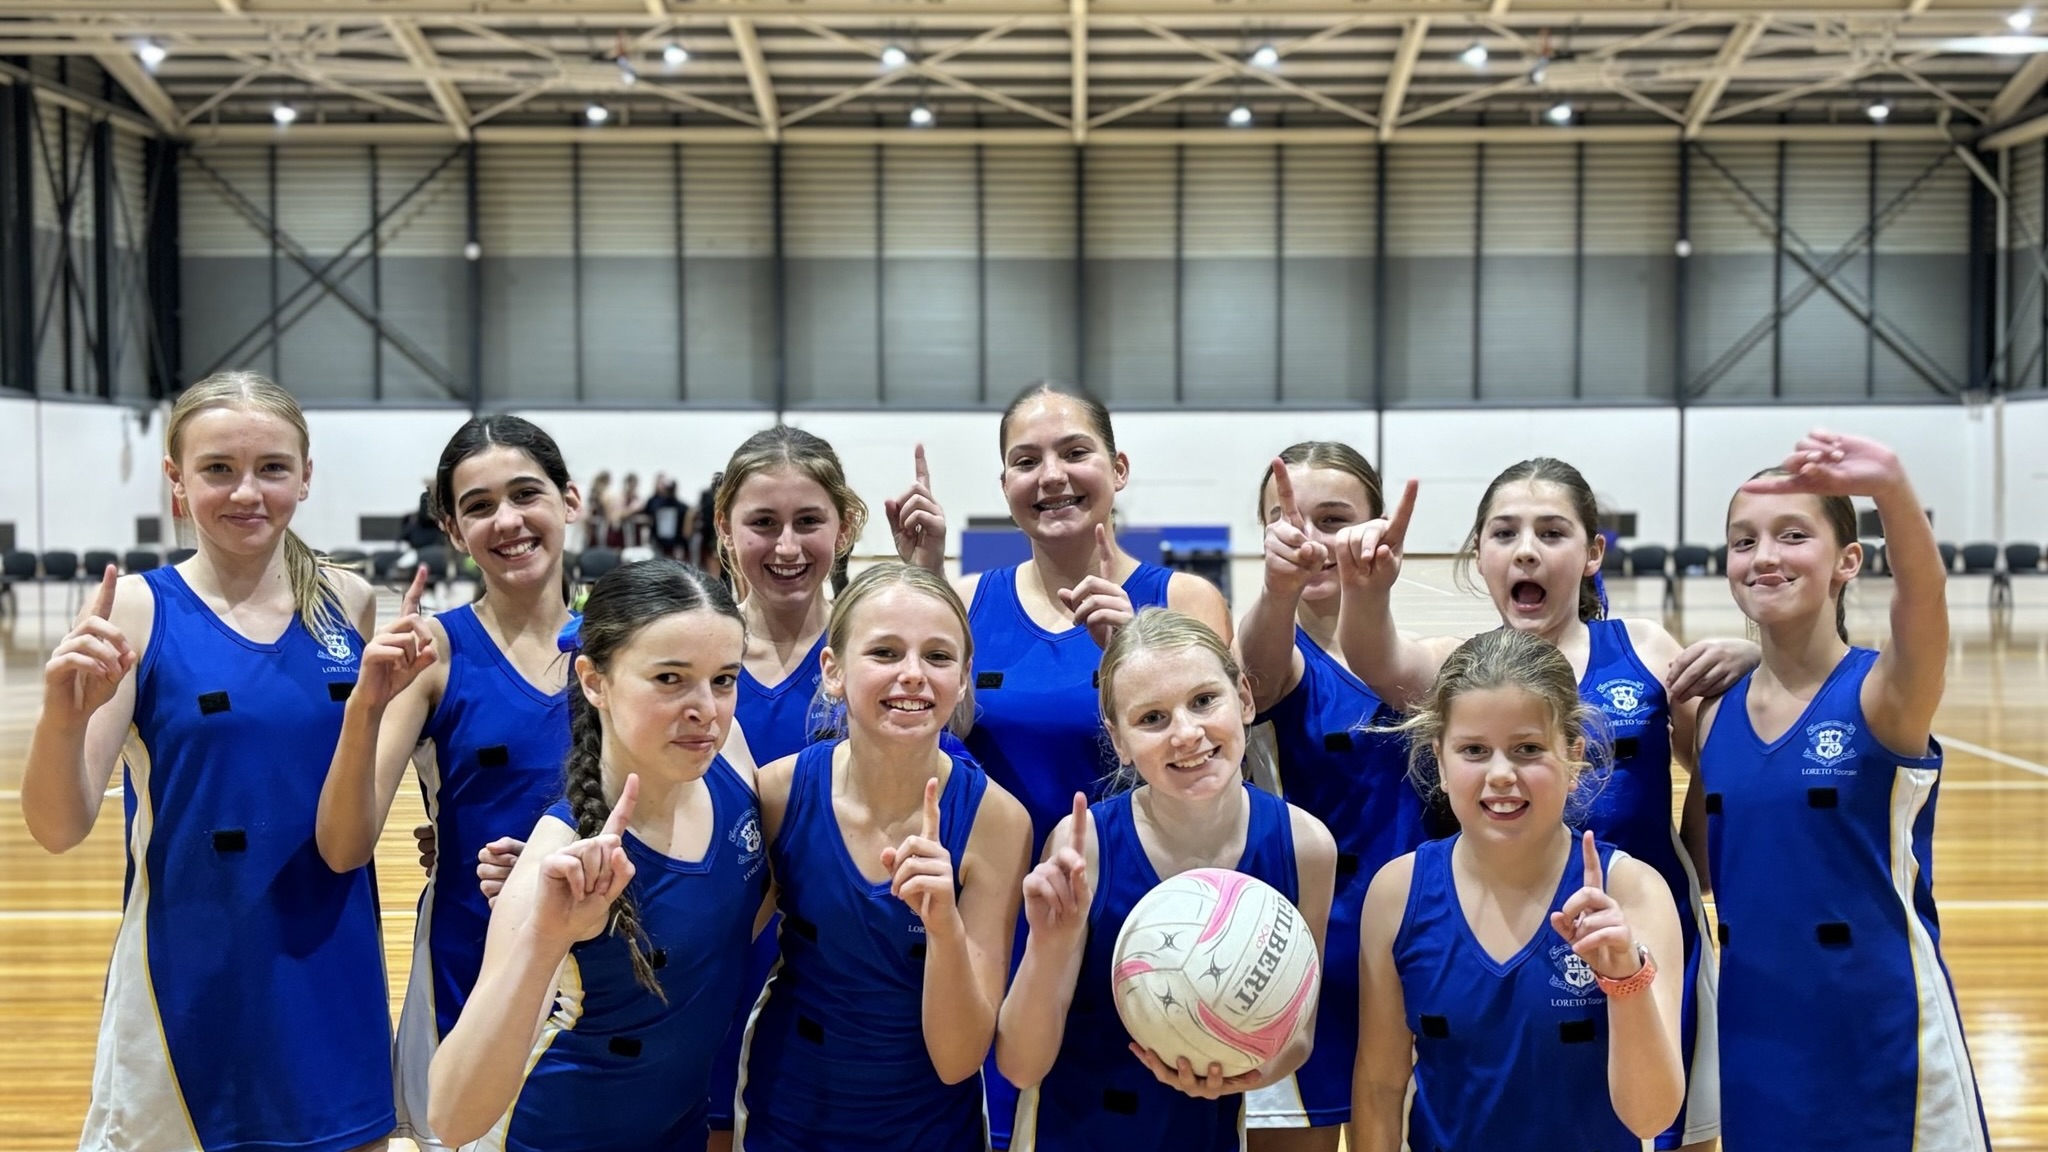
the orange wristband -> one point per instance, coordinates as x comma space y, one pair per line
1629, 986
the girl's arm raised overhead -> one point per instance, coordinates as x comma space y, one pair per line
1904, 690
967, 946
88, 706
379, 728
1057, 895
560, 892
1398, 668
1379, 1081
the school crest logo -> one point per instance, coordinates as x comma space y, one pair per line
335, 644
1827, 742
746, 836
1573, 976
1624, 699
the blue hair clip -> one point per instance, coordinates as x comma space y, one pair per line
571, 637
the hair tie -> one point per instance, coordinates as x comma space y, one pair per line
571, 637
1600, 590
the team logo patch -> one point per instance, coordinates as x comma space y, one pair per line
1573, 975
746, 835
1624, 699
334, 643
1827, 742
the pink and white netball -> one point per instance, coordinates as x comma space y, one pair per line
1215, 966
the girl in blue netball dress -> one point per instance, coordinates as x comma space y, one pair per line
898, 869
245, 1004
1818, 781
1176, 708
1333, 756
622, 930
1039, 627
1536, 545
476, 697
784, 516
1510, 972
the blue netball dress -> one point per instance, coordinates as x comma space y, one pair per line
1631, 809
777, 720
1098, 1095
1355, 780
1839, 1026
617, 1068
490, 764
1038, 728
835, 1056
1507, 1054
245, 1004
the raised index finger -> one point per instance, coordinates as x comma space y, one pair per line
1283, 489
103, 598
1593, 877
924, 476
622, 812
1397, 526
930, 831
1080, 829
410, 605
1102, 562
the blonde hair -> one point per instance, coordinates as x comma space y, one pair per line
785, 447
1505, 658
314, 594
896, 574
1158, 630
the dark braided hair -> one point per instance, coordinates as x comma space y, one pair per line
624, 601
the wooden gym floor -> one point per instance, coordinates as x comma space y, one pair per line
58, 914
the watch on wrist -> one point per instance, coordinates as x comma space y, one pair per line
1630, 985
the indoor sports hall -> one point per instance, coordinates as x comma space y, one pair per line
1659, 241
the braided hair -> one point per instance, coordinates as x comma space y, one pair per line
624, 601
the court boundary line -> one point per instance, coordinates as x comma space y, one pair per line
1993, 755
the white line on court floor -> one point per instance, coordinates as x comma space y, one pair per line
1993, 755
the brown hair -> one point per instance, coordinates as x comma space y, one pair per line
1505, 658
1585, 508
314, 593
785, 447
622, 602
1095, 410
1840, 514
1338, 457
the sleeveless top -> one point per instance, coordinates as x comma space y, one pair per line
835, 1055
1832, 983
246, 1006
1507, 1054
617, 1067
1099, 1095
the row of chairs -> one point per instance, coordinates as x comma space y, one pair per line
70, 570
1671, 564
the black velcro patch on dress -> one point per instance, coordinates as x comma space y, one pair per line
1347, 863
1436, 1027
917, 951
657, 959
1578, 1031
801, 927
1336, 741
496, 756
624, 1046
987, 680
338, 690
810, 1029
1832, 935
1120, 1102
1823, 798
231, 840
1625, 746
1721, 933
212, 702
1713, 803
